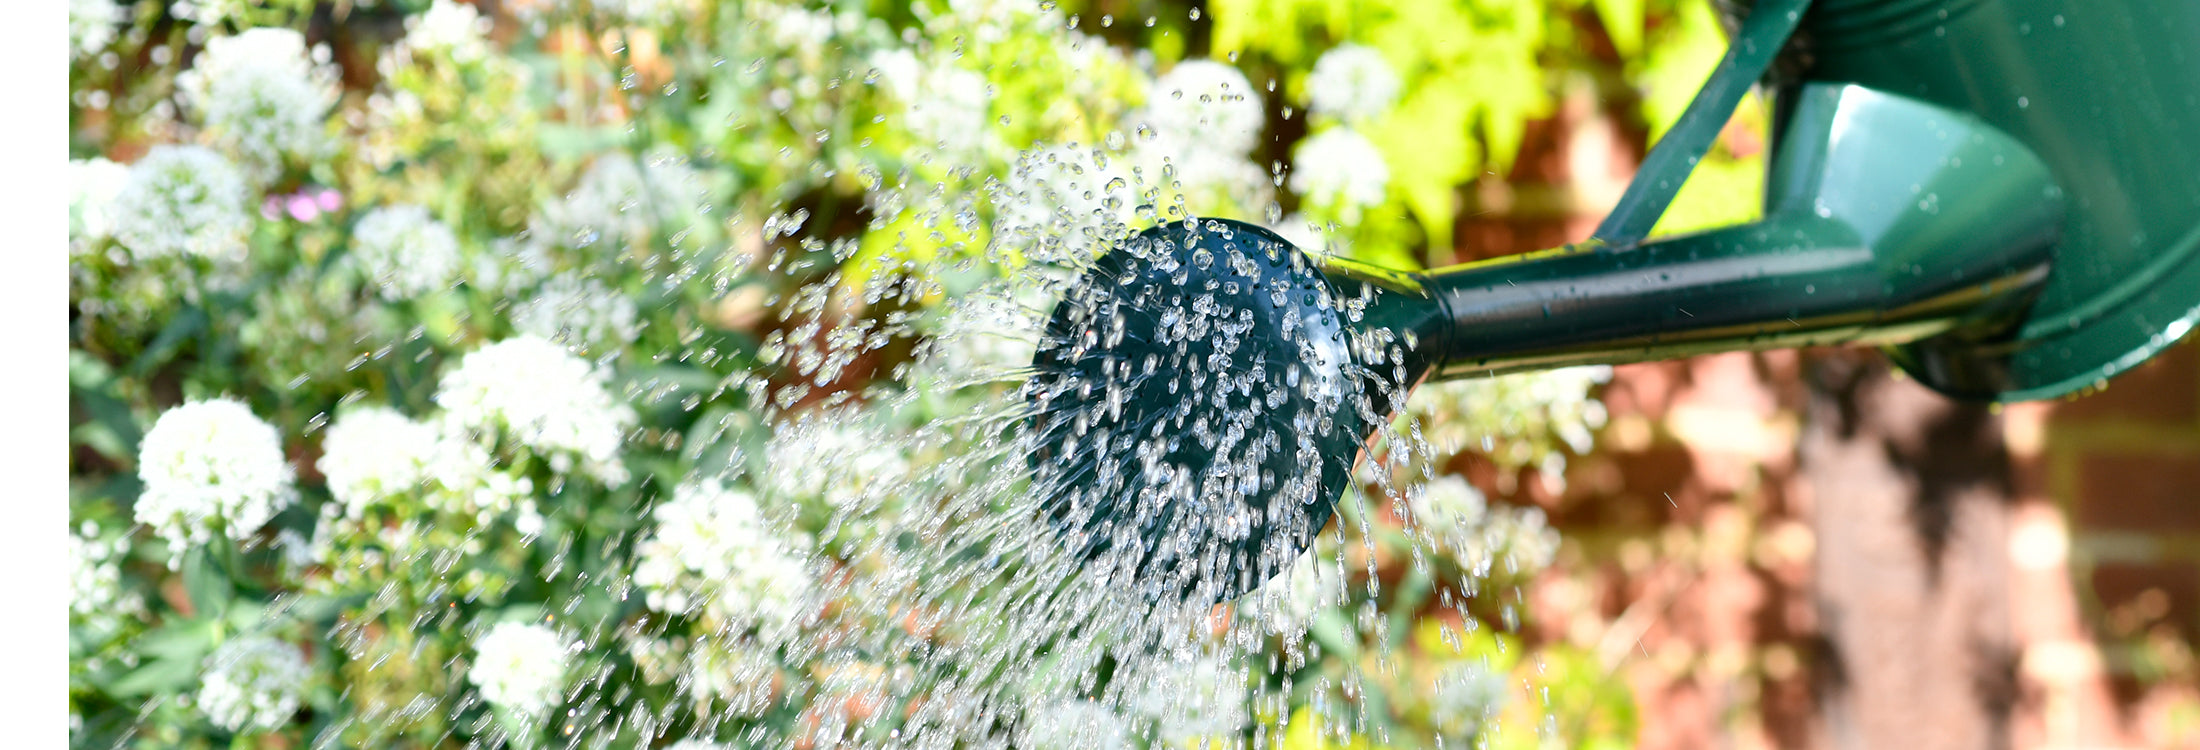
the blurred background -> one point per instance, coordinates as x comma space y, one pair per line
1787, 549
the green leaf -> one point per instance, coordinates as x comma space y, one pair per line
1623, 24
158, 676
181, 328
207, 583
561, 141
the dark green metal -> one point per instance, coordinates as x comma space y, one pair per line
2107, 94
1759, 41
1890, 221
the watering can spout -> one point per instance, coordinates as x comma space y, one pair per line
1889, 222
1199, 404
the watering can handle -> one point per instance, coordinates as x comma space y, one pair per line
1760, 39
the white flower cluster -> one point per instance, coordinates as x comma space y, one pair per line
621, 200
713, 551
521, 667
544, 398
260, 95
93, 185
453, 29
1521, 418
831, 458
96, 597
1209, 104
1201, 121
949, 112
405, 252
1467, 695
1341, 170
1352, 83
182, 200
1202, 700
1460, 522
91, 26
1303, 233
580, 313
1075, 725
253, 684
209, 464
1063, 203
1287, 603
374, 452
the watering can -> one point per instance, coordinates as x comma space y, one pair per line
2003, 194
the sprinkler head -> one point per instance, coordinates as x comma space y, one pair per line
1196, 409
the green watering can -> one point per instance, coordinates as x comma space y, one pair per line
2005, 194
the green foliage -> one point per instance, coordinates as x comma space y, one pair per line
749, 220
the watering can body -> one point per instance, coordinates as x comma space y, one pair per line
2106, 93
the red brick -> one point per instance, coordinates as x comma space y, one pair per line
2164, 391
1646, 479
1644, 388
2139, 491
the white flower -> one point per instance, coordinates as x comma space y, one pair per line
521, 667
96, 597
544, 398
622, 200
252, 684
92, 26
449, 28
581, 313
831, 458
373, 452
1467, 695
1303, 233
1204, 699
93, 186
1063, 203
1209, 105
1447, 503
260, 95
464, 479
1482, 538
207, 464
712, 550
1352, 83
1340, 169
182, 200
899, 72
1287, 603
1533, 413
1208, 180
1075, 725
405, 252
949, 112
